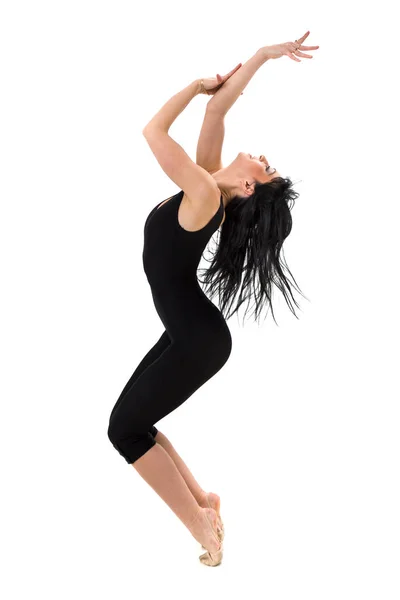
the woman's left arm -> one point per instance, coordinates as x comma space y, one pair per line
173, 108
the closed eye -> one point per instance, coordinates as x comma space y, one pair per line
266, 168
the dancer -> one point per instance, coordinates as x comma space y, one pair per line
248, 202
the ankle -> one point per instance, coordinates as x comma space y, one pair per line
203, 500
195, 517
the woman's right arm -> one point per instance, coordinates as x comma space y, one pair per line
227, 95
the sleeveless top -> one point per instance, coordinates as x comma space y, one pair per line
171, 255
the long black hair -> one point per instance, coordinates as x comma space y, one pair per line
249, 247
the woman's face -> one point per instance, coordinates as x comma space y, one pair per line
257, 167
239, 178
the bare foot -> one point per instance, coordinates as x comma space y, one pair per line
204, 529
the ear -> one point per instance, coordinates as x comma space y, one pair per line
249, 188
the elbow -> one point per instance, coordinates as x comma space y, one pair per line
151, 129
147, 128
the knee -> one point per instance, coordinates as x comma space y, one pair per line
114, 435
113, 430
110, 432
131, 446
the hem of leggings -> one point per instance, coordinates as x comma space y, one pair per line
146, 445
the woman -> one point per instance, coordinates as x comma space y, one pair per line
249, 200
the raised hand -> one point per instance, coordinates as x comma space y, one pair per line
213, 84
289, 49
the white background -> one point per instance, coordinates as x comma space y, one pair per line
299, 432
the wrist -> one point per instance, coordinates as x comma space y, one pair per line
263, 52
197, 86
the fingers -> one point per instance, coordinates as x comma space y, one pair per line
233, 71
300, 47
304, 36
291, 47
298, 53
301, 40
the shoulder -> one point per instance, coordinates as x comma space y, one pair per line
196, 211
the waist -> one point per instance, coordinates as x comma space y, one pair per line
187, 308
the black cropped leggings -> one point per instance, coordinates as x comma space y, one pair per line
128, 410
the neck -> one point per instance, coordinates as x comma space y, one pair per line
224, 183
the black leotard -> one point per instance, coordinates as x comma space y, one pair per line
196, 342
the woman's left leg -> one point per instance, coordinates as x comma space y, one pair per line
191, 482
204, 499
158, 469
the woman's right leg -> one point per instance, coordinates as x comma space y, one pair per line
197, 491
154, 394
158, 469
153, 354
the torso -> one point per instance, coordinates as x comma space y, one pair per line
171, 258
187, 219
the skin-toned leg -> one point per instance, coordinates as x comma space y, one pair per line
197, 491
158, 469
194, 487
